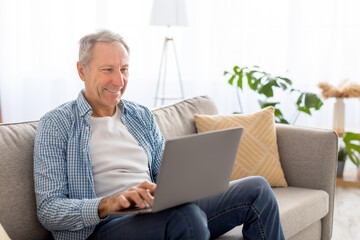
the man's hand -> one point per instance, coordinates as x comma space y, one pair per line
136, 195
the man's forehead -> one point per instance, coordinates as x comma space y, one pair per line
109, 50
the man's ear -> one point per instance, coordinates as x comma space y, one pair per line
81, 70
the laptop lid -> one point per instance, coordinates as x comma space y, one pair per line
195, 166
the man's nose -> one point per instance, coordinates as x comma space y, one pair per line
119, 79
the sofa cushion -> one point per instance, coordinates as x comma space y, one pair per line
258, 151
299, 208
312, 232
18, 208
178, 119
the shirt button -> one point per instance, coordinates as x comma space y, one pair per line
84, 150
87, 128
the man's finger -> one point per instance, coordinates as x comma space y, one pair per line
124, 203
135, 197
148, 185
145, 194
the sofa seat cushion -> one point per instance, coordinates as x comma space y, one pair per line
299, 208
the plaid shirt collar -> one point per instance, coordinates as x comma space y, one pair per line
85, 109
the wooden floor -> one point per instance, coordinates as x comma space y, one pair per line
347, 211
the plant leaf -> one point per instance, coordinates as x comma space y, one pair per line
231, 80
355, 147
279, 117
248, 76
273, 82
354, 158
352, 153
283, 86
278, 113
350, 136
312, 101
236, 69
264, 104
266, 90
253, 82
305, 110
240, 82
256, 84
288, 81
298, 102
282, 120
352, 148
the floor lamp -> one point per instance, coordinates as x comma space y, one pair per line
168, 13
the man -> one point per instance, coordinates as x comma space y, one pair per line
100, 153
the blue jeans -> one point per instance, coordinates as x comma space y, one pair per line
249, 201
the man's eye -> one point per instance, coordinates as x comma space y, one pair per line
124, 69
107, 69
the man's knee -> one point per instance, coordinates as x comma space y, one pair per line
256, 186
190, 222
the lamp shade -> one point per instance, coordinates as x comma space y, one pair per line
169, 13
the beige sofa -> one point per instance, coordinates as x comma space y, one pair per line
308, 157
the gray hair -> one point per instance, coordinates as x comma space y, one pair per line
88, 41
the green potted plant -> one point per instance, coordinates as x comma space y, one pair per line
265, 83
351, 149
352, 145
342, 155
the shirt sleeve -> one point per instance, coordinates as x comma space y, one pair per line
56, 211
158, 145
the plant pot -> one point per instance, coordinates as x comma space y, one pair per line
340, 169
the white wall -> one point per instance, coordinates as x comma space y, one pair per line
307, 40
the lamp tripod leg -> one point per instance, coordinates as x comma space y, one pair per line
160, 70
179, 74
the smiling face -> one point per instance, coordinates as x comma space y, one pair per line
106, 78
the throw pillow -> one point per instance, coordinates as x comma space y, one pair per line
258, 152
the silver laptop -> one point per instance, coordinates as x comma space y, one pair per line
193, 167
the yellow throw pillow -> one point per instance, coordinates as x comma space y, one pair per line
258, 152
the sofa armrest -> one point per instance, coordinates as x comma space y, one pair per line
308, 157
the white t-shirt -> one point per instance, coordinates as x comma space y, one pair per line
118, 161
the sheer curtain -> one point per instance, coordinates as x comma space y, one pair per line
307, 40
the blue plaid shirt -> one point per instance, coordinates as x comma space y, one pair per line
64, 185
